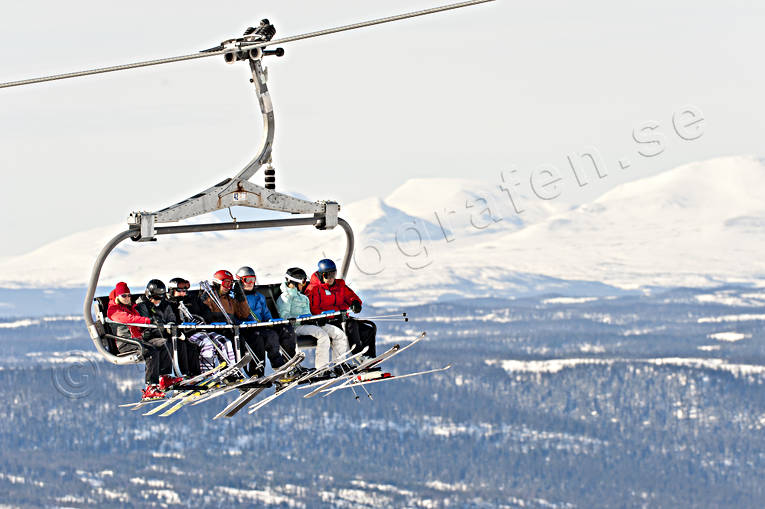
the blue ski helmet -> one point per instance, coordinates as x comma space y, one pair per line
326, 265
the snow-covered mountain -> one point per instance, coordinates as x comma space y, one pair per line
698, 224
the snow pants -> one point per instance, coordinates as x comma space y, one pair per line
208, 357
361, 333
270, 341
325, 335
157, 362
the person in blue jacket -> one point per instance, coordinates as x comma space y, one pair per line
265, 340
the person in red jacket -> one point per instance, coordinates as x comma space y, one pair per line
121, 309
327, 293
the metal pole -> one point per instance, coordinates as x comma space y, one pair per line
243, 225
88, 304
348, 246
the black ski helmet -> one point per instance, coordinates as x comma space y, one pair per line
174, 285
176, 282
155, 289
295, 275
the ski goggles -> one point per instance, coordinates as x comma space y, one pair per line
248, 279
300, 281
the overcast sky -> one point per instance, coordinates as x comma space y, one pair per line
467, 93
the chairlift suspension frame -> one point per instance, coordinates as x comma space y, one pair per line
146, 226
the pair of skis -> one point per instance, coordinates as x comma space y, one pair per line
360, 380
187, 384
302, 379
364, 366
361, 376
213, 382
235, 406
252, 388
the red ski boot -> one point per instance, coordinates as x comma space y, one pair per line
152, 392
167, 381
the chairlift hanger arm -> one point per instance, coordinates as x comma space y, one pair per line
239, 191
240, 46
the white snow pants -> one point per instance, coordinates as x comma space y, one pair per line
324, 336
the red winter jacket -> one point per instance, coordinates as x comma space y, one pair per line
125, 314
337, 297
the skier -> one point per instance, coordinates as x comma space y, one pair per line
188, 352
121, 309
235, 309
327, 293
262, 340
292, 303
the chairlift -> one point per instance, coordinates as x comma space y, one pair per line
144, 226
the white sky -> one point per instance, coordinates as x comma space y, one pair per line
467, 93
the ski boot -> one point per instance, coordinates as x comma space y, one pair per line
364, 359
341, 369
168, 381
152, 392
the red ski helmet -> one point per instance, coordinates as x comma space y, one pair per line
222, 276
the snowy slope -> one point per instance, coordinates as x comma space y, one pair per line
698, 224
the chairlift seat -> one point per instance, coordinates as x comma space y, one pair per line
270, 291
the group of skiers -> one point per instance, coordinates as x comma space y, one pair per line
235, 300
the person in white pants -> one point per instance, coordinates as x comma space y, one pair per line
292, 303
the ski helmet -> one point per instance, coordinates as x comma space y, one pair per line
178, 283
155, 289
223, 275
244, 272
295, 275
175, 285
326, 265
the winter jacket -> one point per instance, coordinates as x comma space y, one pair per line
192, 303
237, 310
323, 297
124, 314
291, 303
258, 305
164, 313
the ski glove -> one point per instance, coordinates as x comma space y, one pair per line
356, 306
239, 292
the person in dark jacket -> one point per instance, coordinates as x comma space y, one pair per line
121, 309
152, 305
188, 352
235, 310
327, 293
264, 340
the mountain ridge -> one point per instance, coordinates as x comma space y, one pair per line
695, 225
